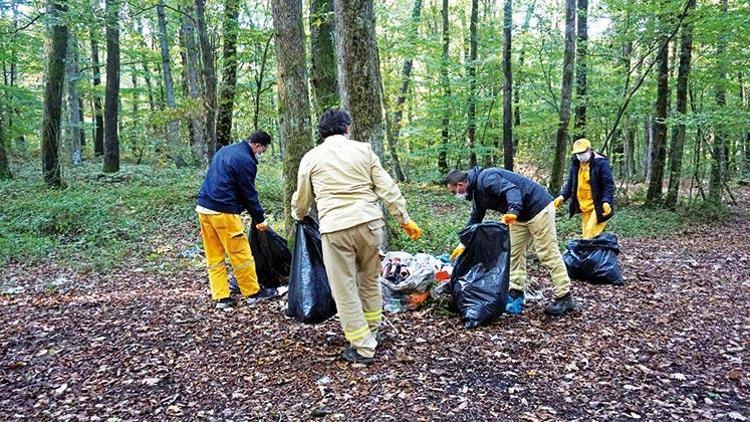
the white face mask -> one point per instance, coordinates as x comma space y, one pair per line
461, 195
584, 157
258, 155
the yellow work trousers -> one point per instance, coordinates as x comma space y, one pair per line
542, 231
589, 226
352, 260
224, 234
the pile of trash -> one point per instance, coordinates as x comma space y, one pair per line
408, 279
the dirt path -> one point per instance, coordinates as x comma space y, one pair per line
673, 343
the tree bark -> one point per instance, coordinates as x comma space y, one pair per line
53, 95
112, 89
718, 170
659, 148
507, 87
294, 102
323, 55
71, 70
561, 139
472, 71
98, 110
209, 77
678, 133
517, 80
192, 82
5, 173
359, 71
146, 69
259, 89
173, 134
446, 85
229, 78
581, 51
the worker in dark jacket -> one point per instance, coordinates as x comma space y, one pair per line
229, 188
528, 211
591, 189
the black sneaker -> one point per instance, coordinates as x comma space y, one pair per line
561, 305
263, 294
226, 304
351, 355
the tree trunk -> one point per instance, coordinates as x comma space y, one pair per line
197, 121
112, 89
649, 147
81, 119
517, 80
446, 85
659, 147
71, 70
398, 109
507, 87
173, 133
581, 50
209, 77
629, 148
5, 173
259, 77
323, 55
561, 139
146, 69
294, 101
53, 95
718, 169
678, 133
229, 81
472, 71
359, 71
98, 110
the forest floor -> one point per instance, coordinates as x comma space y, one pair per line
130, 343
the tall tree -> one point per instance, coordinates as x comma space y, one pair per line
229, 77
71, 70
209, 76
716, 182
659, 143
5, 172
323, 55
173, 134
294, 102
507, 87
678, 133
359, 71
472, 71
97, 82
197, 123
446, 86
53, 93
394, 128
112, 88
561, 139
581, 52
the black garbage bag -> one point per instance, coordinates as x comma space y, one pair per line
481, 276
594, 260
273, 259
309, 294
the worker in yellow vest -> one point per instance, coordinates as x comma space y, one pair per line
590, 187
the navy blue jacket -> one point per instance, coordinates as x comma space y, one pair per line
229, 186
602, 186
504, 191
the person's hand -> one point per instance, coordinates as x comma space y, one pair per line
458, 251
509, 219
262, 226
606, 209
412, 230
559, 201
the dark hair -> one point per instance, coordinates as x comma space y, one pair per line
455, 177
333, 121
260, 137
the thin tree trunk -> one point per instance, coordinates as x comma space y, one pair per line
53, 95
517, 80
678, 133
198, 122
507, 87
5, 173
472, 71
294, 101
229, 80
112, 89
71, 70
209, 77
445, 82
561, 139
146, 69
323, 55
98, 110
718, 162
259, 77
629, 151
581, 50
649, 147
173, 134
659, 148
81, 120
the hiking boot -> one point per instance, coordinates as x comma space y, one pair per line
618, 283
226, 304
353, 356
263, 294
561, 305
514, 303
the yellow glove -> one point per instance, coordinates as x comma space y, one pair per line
458, 251
606, 209
509, 219
559, 201
262, 226
412, 230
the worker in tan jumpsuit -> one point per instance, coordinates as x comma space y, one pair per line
345, 179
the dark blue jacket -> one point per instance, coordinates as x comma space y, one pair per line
230, 182
602, 186
504, 191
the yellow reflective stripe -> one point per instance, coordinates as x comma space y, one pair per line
216, 265
357, 334
374, 315
243, 266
